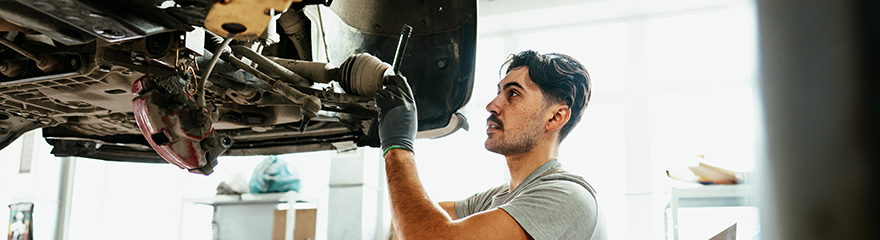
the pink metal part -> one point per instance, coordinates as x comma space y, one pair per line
182, 149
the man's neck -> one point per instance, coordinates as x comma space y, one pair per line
521, 165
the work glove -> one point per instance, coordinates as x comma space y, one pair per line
398, 117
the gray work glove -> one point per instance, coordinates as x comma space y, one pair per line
398, 117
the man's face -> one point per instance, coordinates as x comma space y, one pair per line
516, 121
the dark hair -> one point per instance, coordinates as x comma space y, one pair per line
561, 78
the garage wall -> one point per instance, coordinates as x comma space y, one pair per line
40, 186
114, 200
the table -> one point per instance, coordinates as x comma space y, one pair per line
708, 196
250, 216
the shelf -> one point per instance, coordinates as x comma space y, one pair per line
251, 199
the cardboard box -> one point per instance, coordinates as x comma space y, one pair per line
304, 227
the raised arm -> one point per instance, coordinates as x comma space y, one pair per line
417, 217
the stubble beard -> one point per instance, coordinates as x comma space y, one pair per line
514, 143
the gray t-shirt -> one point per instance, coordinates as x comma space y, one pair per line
549, 204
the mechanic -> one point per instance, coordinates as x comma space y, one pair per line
540, 100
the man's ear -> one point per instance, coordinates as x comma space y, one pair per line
559, 118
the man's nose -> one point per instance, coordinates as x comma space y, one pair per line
493, 107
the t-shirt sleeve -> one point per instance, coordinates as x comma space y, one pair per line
554, 208
477, 203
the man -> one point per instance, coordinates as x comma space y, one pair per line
539, 101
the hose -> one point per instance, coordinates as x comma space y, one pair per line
200, 97
213, 42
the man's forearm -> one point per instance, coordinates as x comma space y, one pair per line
415, 215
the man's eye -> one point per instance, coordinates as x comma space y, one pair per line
514, 93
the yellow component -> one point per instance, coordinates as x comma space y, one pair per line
252, 15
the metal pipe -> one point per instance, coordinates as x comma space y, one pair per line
65, 197
18, 49
227, 57
310, 104
315, 71
268, 65
200, 95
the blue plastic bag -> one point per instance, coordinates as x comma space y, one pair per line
272, 175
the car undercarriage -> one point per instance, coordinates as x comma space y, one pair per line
187, 81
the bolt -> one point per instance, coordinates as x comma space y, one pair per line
108, 32
441, 64
73, 62
104, 68
138, 58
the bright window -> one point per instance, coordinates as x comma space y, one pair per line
705, 47
604, 49
718, 123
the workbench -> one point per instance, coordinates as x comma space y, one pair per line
252, 216
707, 196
